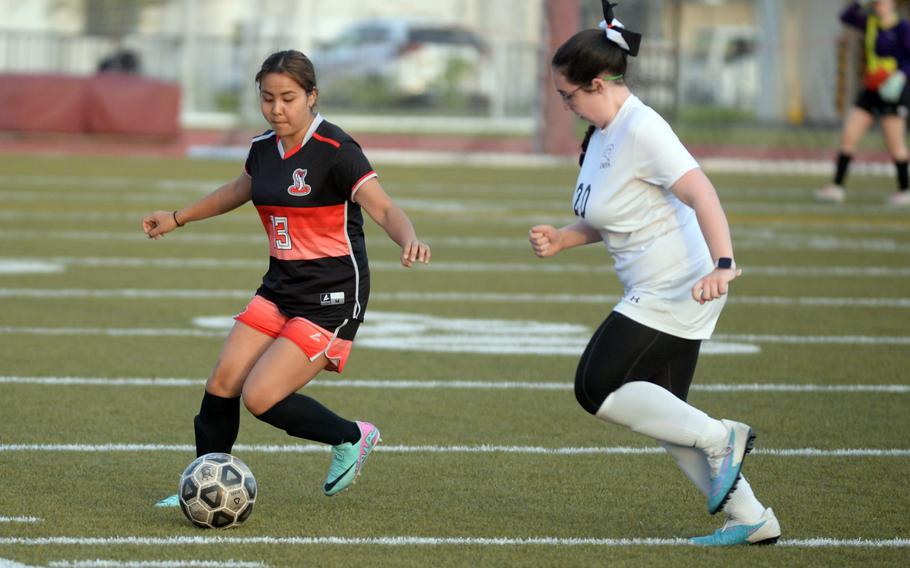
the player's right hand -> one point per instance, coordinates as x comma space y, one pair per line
159, 223
543, 239
890, 91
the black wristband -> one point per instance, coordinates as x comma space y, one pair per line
724, 262
176, 222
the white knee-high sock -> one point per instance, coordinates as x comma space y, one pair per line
654, 411
742, 507
693, 463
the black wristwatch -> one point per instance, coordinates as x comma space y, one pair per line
724, 262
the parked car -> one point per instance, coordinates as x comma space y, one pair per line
410, 60
723, 69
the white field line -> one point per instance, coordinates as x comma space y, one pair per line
545, 206
818, 542
126, 293
133, 218
125, 184
777, 242
99, 563
806, 208
813, 339
744, 230
543, 210
133, 236
491, 267
417, 187
452, 384
435, 449
523, 222
112, 332
190, 332
458, 297
85, 197
21, 519
196, 185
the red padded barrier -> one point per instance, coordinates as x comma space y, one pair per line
107, 103
43, 103
127, 104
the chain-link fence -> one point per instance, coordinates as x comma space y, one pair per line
726, 72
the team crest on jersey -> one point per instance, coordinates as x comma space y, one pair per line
300, 186
606, 160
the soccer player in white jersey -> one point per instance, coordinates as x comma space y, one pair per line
642, 194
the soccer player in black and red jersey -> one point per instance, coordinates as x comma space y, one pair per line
309, 181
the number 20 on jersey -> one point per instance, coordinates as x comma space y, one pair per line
580, 202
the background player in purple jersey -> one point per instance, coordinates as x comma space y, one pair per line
885, 94
643, 195
308, 180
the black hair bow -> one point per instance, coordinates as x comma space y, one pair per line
628, 40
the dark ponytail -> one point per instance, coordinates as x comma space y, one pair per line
584, 144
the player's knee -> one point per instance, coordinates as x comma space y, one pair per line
257, 400
225, 381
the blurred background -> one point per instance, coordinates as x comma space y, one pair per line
108, 109
757, 77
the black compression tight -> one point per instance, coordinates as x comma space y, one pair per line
623, 350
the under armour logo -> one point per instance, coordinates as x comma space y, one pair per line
635, 299
300, 186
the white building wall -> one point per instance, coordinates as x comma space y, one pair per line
40, 15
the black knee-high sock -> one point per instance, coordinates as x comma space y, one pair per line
217, 424
843, 163
903, 180
304, 417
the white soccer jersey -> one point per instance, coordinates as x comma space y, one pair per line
654, 238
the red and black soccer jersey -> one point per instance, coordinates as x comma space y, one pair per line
317, 253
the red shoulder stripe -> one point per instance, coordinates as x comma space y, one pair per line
334, 143
370, 175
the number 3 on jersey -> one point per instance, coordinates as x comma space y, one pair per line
280, 233
580, 202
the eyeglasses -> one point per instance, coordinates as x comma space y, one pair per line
567, 97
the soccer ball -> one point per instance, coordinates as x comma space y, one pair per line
217, 491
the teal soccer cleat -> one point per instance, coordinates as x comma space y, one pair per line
171, 501
348, 459
726, 463
765, 531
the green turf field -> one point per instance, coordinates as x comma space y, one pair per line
466, 365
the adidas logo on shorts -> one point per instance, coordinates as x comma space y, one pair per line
331, 298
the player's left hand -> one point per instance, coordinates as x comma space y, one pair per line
414, 251
156, 225
714, 285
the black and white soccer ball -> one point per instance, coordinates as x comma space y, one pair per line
217, 491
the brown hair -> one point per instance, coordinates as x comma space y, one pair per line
292, 63
586, 56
